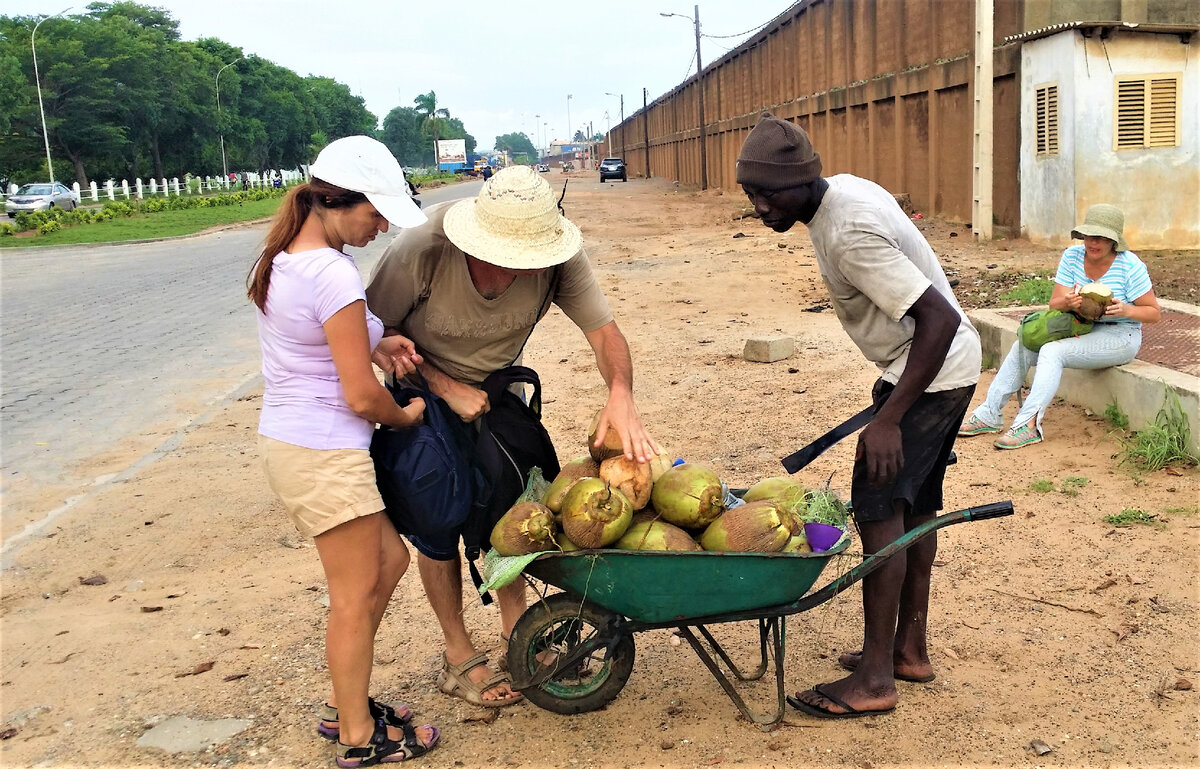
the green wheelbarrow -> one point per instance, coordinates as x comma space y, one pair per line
572, 652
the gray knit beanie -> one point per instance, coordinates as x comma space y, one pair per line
777, 155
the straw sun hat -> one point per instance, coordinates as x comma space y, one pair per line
1103, 221
514, 223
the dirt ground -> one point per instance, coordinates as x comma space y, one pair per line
1050, 626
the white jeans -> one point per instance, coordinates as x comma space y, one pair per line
1108, 344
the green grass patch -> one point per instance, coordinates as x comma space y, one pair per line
1165, 442
1183, 511
1131, 516
1116, 417
1030, 291
160, 224
1071, 486
1041, 486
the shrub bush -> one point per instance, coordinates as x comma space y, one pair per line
7, 230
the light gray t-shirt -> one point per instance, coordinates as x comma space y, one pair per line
876, 264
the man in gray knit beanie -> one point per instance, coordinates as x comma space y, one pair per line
892, 298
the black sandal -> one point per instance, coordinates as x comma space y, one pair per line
381, 750
379, 712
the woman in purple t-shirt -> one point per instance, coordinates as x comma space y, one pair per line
321, 401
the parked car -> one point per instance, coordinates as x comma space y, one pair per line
613, 168
40, 197
543, 168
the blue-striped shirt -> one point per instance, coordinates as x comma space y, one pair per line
1127, 277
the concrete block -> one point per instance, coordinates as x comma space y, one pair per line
768, 349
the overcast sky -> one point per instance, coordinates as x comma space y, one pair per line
499, 66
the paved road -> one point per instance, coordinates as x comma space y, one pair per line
105, 345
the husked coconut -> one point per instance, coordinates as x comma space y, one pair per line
688, 495
652, 534
659, 464
612, 441
580, 467
630, 476
755, 527
527, 527
595, 513
1095, 299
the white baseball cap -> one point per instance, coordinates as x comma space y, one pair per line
366, 165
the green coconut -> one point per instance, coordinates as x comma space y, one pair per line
527, 527
595, 513
1095, 299
652, 534
689, 496
755, 527
554, 496
630, 476
565, 544
779, 487
798, 543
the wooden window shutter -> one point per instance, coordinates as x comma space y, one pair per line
1164, 112
1147, 112
1047, 120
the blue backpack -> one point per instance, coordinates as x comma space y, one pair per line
424, 473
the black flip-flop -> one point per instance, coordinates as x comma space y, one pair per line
819, 712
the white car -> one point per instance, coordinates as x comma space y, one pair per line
40, 196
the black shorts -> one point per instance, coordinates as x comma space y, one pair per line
927, 430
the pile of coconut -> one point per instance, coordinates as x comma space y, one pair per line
604, 500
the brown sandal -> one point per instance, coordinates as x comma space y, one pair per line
455, 681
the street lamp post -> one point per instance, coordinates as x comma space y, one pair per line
700, 94
224, 167
38, 81
569, 123
537, 134
620, 96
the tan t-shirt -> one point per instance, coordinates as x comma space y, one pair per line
421, 287
876, 264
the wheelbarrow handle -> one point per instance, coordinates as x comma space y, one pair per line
876, 560
994, 510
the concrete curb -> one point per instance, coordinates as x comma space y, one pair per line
1137, 387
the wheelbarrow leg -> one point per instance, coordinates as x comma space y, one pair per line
773, 624
763, 628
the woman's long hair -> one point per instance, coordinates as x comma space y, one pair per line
294, 211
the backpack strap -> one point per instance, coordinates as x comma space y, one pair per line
498, 381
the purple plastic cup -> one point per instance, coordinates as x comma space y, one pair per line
821, 536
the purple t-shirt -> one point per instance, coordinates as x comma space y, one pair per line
303, 400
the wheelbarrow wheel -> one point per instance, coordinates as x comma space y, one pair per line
548, 631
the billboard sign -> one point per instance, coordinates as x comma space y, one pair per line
452, 151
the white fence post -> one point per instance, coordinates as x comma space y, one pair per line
153, 186
125, 188
165, 191
137, 184
175, 182
75, 189
95, 196
108, 187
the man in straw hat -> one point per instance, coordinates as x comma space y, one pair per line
894, 301
468, 287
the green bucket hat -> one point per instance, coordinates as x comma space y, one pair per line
1104, 221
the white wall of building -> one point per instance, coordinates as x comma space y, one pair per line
1158, 189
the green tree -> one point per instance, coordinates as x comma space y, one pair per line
516, 143
433, 118
403, 136
338, 112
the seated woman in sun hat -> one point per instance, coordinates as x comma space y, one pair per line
468, 287
321, 401
1114, 340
